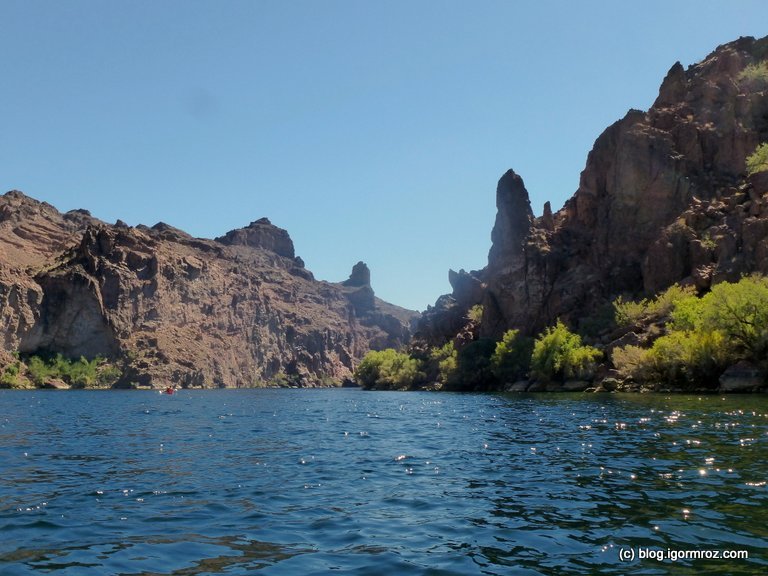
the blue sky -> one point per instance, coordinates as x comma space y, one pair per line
371, 131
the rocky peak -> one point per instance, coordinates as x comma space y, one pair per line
261, 234
514, 216
673, 87
360, 276
358, 289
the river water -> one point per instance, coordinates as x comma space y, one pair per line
345, 481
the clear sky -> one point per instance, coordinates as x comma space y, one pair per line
370, 130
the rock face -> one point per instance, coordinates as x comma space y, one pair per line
237, 311
663, 198
261, 234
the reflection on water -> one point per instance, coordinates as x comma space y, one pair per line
306, 482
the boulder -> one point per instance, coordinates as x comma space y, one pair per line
742, 377
519, 386
576, 385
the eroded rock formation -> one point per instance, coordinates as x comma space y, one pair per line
172, 309
663, 198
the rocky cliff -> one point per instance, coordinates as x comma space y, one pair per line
168, 308
664, 198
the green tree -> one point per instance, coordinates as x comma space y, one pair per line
511, 358
558, 353
740, 312
446, 358
388, 369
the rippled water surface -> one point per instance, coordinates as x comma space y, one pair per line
316, 481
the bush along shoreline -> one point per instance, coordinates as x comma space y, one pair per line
59, 372
677, 341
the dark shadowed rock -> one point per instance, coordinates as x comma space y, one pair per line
742, 377
663, 198
360, 276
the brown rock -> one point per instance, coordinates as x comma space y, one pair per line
261, 234
171, 308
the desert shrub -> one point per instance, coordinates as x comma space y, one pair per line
558, 353
475, 314
705, 335
739, 311
689, 359
511, 359
108, 375
627, 313
632, 362
666, 302
80, 373
758, 160
754, 76
40, 372
388, 369
11, 375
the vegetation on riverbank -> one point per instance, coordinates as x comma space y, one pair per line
677, 340
57, 371
482, 364
702, 336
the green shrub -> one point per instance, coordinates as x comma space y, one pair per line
633, 362
754, 76
108, 375
628, 313
689, 359
558, 353
40, 372
475, 314
388, 369
511, 358
80, 373
705, 336
11, 375
758, 160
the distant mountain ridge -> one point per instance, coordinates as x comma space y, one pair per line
664, 198
170, 309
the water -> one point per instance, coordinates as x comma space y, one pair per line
318, 481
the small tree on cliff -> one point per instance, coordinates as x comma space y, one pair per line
758, 160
